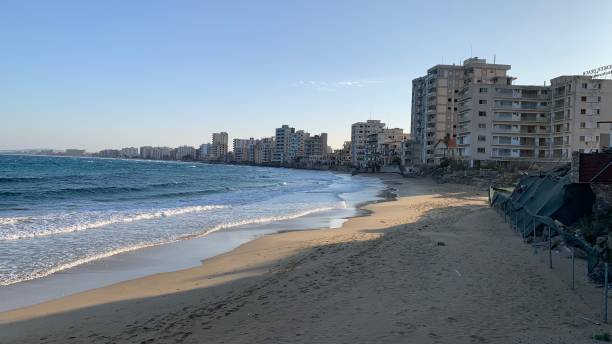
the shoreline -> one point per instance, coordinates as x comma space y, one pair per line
385, 195
436, 265
168, 257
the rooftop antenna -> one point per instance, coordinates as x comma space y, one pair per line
494, 58
471, 55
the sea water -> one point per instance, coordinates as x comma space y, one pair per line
57, 213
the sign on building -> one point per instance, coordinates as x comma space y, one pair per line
600, 72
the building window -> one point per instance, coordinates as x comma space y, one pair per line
482, 101
585, 85
581, 138
599, 99
482, 138
583, 99
483, 90
482, 113
582, 125
481, 150
583, 111
598, 111
482, 125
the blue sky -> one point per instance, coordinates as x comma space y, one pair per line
111, 74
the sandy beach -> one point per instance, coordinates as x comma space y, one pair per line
436, 265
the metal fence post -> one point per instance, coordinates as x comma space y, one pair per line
549, 248
605, 300
573, 270
505, 212
516, 221
535, 246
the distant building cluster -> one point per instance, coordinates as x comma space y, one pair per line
471, 112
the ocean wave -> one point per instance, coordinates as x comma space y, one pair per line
18, 179
15, 278
12, 279
259, 220
45, 230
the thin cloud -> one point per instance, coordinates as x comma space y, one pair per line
332, 86
357, 83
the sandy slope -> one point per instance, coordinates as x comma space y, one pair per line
435, 266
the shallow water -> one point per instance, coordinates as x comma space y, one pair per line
57, 213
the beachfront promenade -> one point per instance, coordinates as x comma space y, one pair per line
437, 265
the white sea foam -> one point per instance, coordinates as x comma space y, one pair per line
11, 220
12, 279
16, 278
44, 226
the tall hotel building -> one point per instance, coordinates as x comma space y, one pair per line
478, 108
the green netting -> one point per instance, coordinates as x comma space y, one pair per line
548, 201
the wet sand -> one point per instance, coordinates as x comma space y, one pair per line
437, 265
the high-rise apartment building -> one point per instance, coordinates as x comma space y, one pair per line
359, 139
244, 150
129, 152
219, 146
316, 145
203, 151
501, 121
282, 143
506, 122
146, 152
162, 153
263, 150
185, 153
435, 100
296, 148
581, 115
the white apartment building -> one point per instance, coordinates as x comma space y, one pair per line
435, 100
129, 152
505, 122
359, 140
581, 115
146, 152
185, 153
203, 151
501, 121
296, 147
282, 144
492, 119
161, 153
244, 150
